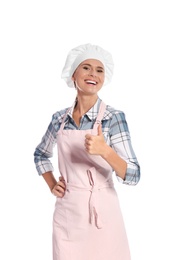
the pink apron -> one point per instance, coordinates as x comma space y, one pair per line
87, 221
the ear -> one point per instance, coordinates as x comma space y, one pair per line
73, 79
73, 76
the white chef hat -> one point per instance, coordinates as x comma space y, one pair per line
82, 53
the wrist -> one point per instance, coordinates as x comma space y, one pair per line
106, 151
50, 180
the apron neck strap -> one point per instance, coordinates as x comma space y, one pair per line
100, 115
63, 120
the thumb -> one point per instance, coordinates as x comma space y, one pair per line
99, 129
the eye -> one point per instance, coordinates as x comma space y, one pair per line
100, 70
85, 67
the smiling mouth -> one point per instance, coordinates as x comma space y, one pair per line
91, 82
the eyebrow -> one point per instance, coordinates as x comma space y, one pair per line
99, 67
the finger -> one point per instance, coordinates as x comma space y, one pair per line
61, 184
87, 145
58, 191
87, 141
57, 194
61, 178
99, 129
88, 136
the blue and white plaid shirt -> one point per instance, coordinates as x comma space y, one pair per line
115, 131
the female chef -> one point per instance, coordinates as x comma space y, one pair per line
93, 143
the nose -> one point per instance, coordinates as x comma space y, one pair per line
92, 73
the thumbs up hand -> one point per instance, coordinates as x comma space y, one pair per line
95, 144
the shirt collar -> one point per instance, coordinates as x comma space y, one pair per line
93, 112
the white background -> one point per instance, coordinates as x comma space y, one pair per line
35, 37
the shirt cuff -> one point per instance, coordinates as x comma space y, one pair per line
44, 167
132, 176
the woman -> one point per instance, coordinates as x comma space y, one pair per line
93, 141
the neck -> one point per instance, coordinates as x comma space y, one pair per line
85, 103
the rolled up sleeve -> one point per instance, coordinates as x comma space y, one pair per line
121, 143
44, 151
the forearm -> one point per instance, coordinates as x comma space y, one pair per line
115, 161
50, 179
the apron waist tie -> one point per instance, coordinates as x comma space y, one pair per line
93, 207
93, 200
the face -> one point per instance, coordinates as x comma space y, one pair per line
89, 76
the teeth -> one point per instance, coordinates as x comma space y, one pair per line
91, 82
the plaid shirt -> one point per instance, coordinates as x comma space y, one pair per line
115, 131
